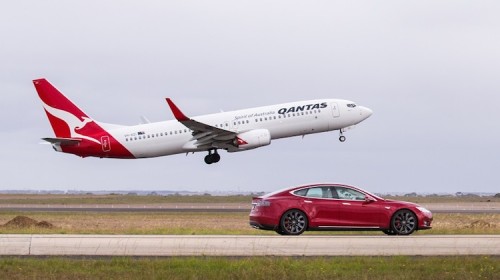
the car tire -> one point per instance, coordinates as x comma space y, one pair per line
404, 222
293, 222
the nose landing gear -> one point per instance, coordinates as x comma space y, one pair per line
342, 137
212, 157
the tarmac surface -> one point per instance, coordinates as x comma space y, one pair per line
242, 245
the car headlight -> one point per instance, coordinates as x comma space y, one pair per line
423, 210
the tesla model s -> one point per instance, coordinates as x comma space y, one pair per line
335, 207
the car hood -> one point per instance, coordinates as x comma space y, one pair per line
401, 203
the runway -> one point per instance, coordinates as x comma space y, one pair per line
244, 245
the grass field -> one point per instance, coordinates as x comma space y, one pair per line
119, 199
468, 267
208, 223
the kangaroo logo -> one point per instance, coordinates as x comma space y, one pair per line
71, 121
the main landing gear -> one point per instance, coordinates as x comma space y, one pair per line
212, 157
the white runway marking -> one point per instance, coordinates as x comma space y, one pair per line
233, 245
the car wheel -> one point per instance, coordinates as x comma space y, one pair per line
404, 222
293, 222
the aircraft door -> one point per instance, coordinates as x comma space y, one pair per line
106, 145
335, 110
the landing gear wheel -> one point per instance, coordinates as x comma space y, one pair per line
212, 158
342, 138
208, 159
215, 157
293, 222
404, 222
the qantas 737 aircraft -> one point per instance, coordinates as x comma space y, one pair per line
235, 131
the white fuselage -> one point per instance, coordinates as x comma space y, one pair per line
282, 120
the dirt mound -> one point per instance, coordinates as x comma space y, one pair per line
25, 222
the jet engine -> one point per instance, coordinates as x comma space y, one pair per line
250, 140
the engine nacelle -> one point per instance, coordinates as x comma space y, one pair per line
250, 140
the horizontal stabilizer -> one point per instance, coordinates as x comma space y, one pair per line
63, 141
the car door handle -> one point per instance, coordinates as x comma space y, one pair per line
346, 203
308, 201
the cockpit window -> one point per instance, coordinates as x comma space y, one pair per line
351, 105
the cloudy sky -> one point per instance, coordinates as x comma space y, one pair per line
430, 71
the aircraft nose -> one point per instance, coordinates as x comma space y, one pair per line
365, 112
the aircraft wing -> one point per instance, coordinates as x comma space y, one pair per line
204, 136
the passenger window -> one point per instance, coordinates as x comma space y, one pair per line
301, 192
349, 194
315, 192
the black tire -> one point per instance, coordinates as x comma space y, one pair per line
404, 222
208, 159
215, 158
293, 222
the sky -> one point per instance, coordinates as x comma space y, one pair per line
428, 69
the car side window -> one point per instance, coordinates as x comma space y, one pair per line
349, 194
318, 192
315, 192
321, 192
301, 192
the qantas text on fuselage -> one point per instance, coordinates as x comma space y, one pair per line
234, 131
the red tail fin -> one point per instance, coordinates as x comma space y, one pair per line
67, 120
76, 133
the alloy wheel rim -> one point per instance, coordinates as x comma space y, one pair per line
404, 222
294, 222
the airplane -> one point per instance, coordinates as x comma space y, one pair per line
77, 133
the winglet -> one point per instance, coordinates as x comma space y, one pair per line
176, 111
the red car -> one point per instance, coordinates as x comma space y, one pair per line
335, 207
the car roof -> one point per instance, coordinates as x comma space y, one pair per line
291, 189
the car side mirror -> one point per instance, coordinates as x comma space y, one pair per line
369, 199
